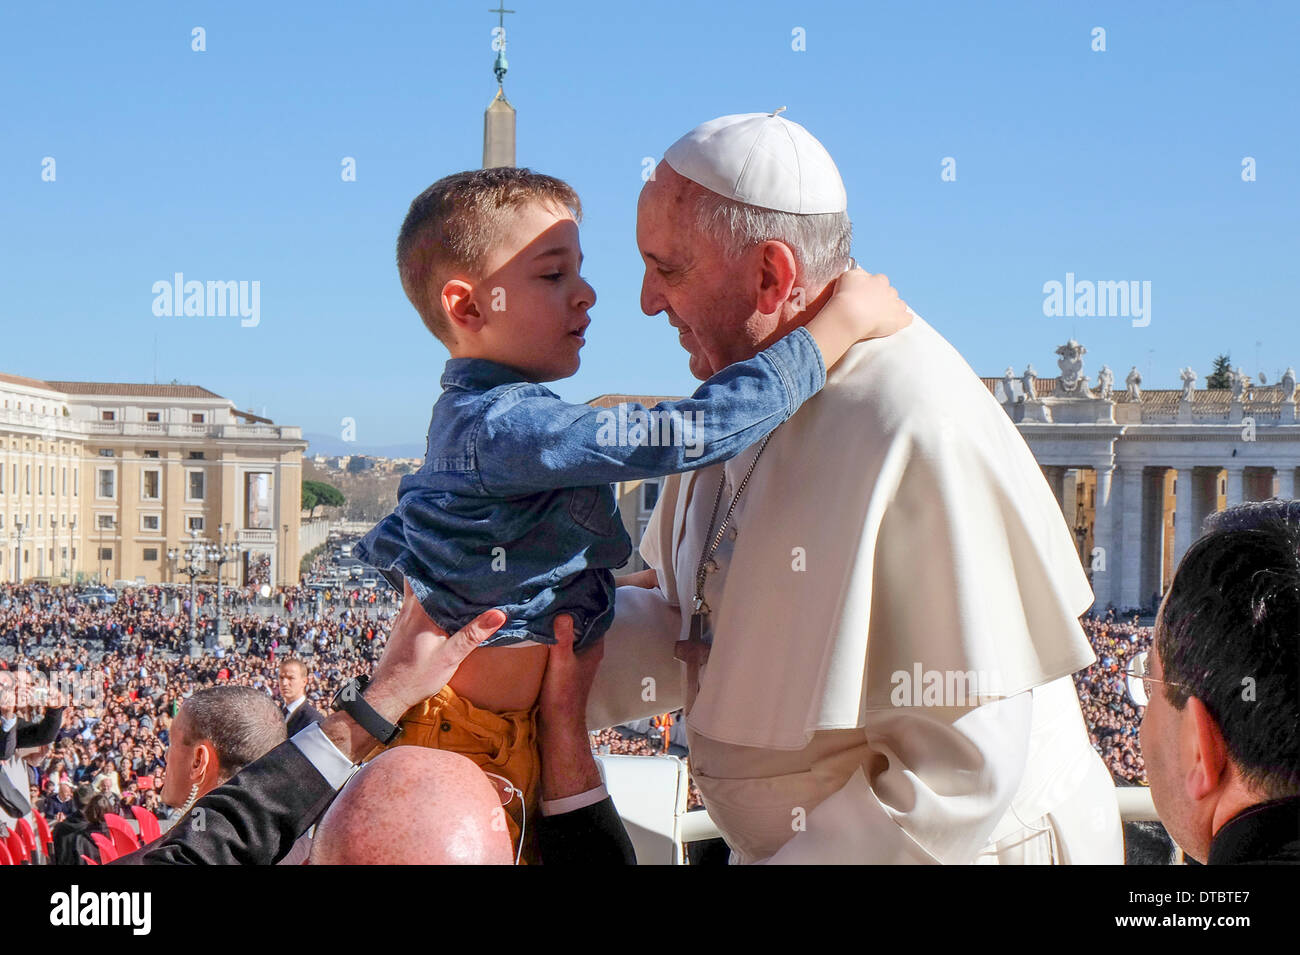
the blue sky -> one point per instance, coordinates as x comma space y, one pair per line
225, 165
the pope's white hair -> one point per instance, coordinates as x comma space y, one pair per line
821, 243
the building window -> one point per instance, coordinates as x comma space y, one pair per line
150, 522
197, 455
40, 480
108, 416
194, 523
153, 416
106, 553
649, 495
151, 454
197, 417
151, 485
105, 452
27, 479
76, 482
104, 522
257, 500
151, 553
196, 486
65, 480
106, 483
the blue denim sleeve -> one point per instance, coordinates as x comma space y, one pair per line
529, 442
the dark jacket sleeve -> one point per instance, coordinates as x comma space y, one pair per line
594, 835
254, 819
8, 743
302, 718
30, 734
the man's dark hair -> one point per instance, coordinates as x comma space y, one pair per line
1229, 634
100, 805
242, 723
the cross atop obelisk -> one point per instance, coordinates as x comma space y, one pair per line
499, 43
499, 119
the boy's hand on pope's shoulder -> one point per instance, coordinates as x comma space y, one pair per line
872, 304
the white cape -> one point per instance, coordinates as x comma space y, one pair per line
929, 541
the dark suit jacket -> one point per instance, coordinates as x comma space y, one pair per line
1264, 834
27, 733
257, 816
303, 717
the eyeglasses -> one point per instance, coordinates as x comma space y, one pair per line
506, 791
1139, 678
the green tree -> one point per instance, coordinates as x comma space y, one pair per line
1219, 377
319, 494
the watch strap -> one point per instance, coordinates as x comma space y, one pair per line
350, 701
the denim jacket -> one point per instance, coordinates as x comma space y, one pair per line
513, 506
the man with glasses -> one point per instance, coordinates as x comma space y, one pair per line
1221, 687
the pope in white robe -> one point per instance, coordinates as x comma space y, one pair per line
894, 617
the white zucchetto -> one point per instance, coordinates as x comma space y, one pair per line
761, 159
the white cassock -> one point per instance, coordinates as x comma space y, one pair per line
895, 532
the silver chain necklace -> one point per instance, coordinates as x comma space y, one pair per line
701, 610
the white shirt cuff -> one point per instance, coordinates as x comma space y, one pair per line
557, 807
7, 725
324, 755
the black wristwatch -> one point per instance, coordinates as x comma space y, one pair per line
350, 701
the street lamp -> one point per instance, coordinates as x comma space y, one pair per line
221, 554
21, 528
110, 525
194, 566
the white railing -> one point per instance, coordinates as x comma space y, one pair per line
256, 535
1135, 805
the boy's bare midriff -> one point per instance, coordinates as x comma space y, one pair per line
501, 679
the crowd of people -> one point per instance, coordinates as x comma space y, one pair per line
133, 666
122, 670
1112, 717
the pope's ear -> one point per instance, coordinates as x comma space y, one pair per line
778, 270
457, 300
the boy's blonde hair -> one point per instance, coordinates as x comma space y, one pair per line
453, 224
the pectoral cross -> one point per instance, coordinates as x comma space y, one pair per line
694, 651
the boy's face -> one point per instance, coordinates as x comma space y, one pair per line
532, 301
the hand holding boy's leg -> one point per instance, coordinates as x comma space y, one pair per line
568, 768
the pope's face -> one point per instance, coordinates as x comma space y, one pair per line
691, 279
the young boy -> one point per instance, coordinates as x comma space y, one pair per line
513, 507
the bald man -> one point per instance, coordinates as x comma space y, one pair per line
436, 807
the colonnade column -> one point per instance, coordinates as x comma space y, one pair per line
1236, 483
1103, 527
1184, 513
1130, 573
1286, 483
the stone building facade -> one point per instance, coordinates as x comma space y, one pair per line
100, 480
